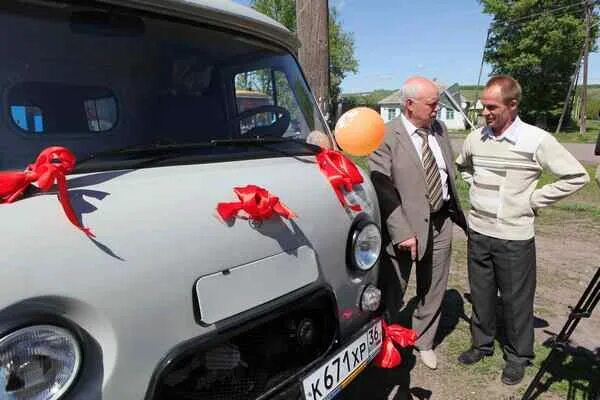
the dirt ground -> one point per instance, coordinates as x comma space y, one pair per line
568, 253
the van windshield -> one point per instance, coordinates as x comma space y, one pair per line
99, 81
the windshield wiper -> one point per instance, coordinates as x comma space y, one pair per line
261, 141
161, 151
160, 148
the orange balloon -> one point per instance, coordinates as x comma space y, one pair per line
359, 131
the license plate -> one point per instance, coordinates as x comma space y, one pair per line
333, 376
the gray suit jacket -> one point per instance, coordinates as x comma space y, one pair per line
399, 179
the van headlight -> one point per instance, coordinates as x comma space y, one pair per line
38, 363
365, 246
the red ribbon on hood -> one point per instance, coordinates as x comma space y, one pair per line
389, 356
255, 203
51, 166
341, 173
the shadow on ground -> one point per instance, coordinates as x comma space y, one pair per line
394, 384
576, 367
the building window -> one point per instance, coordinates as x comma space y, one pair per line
449, 113
391, 113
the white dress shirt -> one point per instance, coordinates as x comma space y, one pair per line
511, 134
435, 149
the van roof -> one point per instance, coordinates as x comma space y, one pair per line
222, 13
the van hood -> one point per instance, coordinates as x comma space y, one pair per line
164, 269
159, 226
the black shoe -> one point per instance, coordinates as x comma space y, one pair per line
472, 356
512, 373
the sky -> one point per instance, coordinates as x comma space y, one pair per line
395, 39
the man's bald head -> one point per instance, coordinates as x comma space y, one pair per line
419, 97
416, 87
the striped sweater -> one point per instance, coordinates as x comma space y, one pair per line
503, 173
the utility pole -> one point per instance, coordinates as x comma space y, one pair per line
487, 39
312, 22
572, 85
586, 51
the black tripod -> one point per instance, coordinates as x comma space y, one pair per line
583, 309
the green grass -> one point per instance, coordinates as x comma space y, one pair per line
569, 135
360, 161
572, 135
487, 369
585, 203
572, 377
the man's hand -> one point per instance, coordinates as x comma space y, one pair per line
409, 245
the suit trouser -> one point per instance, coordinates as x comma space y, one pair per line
508, 266
432, 280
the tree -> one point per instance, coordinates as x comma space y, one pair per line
539, 43
341, 42
283, 11
341, 56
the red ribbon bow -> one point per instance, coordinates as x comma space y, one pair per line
51, 166
389, 356
255, 203
341, 173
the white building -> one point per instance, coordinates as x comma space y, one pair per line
448, 112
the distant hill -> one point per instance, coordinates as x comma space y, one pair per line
365, 99
471, 92
370, 97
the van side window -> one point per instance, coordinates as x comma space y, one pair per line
101, 113
253, 89
56, 108
287, 99
268, 87
28, 118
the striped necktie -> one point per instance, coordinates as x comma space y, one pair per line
432, 173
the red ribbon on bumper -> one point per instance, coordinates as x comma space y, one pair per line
341, 173
255, 203
51, 166
389, 356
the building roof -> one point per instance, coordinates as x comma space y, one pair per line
393, 98
453, 90
220, 13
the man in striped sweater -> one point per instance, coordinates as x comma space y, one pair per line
502, 164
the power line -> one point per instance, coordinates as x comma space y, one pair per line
531, 16
550, 10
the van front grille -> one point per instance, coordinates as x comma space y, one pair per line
250, 362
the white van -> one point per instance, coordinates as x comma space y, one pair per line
168, 106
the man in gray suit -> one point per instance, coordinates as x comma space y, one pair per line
413, 174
